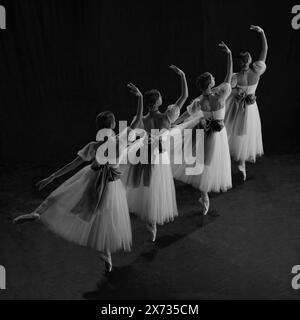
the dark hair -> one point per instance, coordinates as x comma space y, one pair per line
243, 58
150, 98
103, 120
203, 81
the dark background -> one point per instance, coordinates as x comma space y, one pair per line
63, 61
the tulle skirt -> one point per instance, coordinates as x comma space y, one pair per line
216, 176
155, 203
249, 146
107, 230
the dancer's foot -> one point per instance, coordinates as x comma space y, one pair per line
242, 169
204, 201
26, 218
108, 266
107, 262
153, 229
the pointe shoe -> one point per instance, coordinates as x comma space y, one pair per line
26, 217
205, 205
154, 234
153, 231
242, 169
107, 263
108, 266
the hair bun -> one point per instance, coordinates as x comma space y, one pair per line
244, 57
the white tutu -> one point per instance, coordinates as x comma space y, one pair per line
243, 121
155, 203
73, 211
216, 176
249, 146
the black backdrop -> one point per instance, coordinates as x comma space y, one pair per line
63, 61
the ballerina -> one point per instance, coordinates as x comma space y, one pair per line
242, 118
209, 110
90, 208
150, 187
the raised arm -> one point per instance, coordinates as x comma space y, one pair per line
264, 50
140, 107
184, 87
229, 62
66, 169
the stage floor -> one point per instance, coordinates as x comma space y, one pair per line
244, 249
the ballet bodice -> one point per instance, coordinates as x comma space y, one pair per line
216, 115
259, 67
248, 89
211, 106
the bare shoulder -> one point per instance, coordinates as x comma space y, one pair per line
253, 77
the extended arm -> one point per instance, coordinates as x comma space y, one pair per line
66, 169
229, 62
140, 107
184, 87
264, 50
182, 118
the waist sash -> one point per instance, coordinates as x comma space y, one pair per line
93, 194
211, 126
236, 116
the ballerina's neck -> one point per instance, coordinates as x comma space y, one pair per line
153, 111
243, 71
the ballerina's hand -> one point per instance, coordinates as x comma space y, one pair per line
203, 123
224, 47
256, 28
134, 90
43, 183
176, 70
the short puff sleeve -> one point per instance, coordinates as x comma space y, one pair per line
87, 153
194, 107
224, 90
259, 67
173, 113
